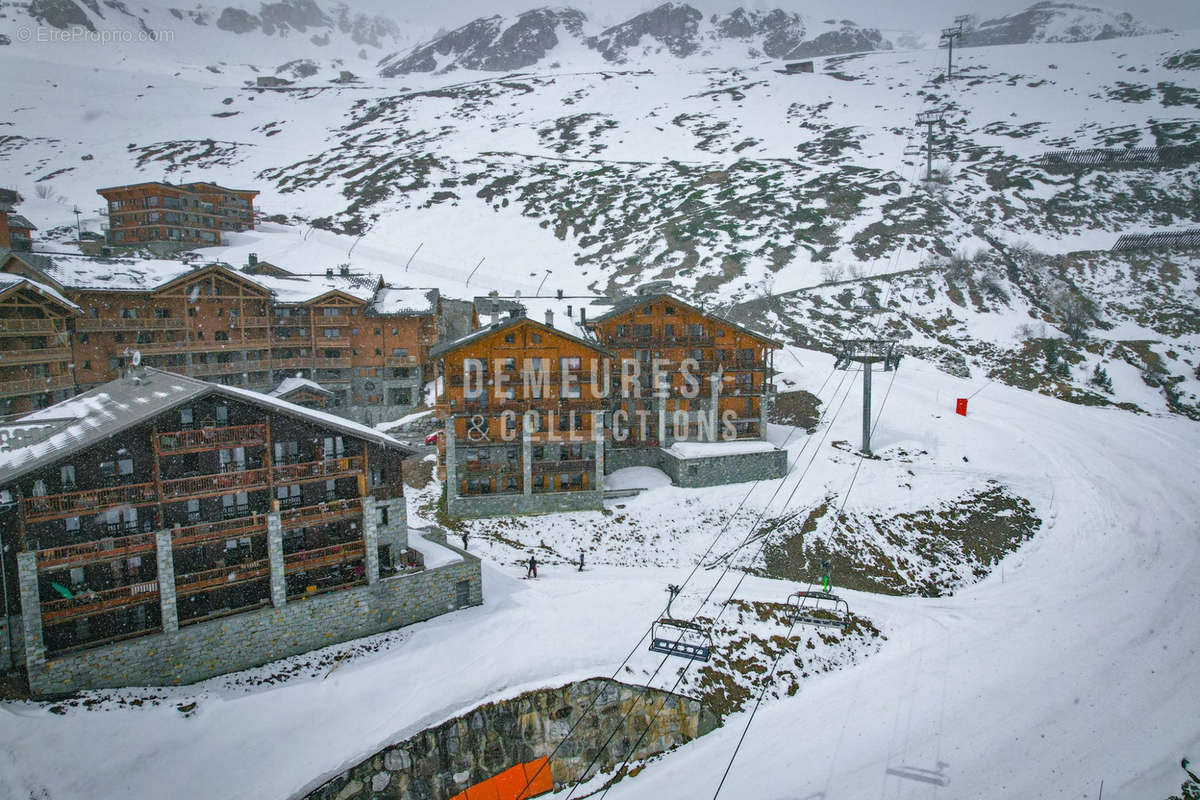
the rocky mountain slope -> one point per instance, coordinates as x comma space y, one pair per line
1050, 21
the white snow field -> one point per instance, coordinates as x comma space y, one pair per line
1074, 662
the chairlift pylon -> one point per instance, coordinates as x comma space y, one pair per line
680, 637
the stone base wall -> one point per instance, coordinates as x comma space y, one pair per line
496, 505
443, 761
205, 649
717, 470
699, 472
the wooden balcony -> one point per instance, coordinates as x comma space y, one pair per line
35, 385
201, 439
214, 531
317, 470
231, 367
303, 362
90, 501
323, 557
570, 465
90, 324
400, 361
220, 577
92, 552
491, 467
13, 326
320, 362
101, 602
321, 514
216, 484
661, 342
34, 355
251, 322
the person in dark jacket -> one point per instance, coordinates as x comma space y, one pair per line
531, 572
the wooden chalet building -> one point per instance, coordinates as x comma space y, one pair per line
183, 215
168, 529
734, 369
364, 341
516, 439
35, 347
16, 232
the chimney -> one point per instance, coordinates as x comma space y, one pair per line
549, 318
346, 270
513, 313
329, 272
582, 315
560, 294
252, 260
495, 307
570, 311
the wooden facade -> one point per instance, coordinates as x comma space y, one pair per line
731, 376
209, 472
219, 324
35, 347
512, 427
184, 214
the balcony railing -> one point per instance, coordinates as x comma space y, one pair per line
302, 362
570, 465
647, 342
35, 385
318, 470
90, 501
400, 361
212, 531
89, 324
321, 514
35, 355
201, 439
491, 467
220, 577
90, 603
91, 552
323, 557
231, 367
13, 325
219, 483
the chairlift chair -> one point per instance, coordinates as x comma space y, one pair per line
819, 608
680, 637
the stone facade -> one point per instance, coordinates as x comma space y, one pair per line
204, 649
443, 761
699, 472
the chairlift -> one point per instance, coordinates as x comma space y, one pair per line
680, 637
822, 609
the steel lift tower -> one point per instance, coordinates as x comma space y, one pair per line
868, 352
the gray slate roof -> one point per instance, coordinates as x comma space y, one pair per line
46, 436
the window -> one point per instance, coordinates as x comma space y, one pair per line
193, 510
66, 475
535, 338
383, 515
287, 452
118, 338
377, 331
162, 313
510, 338
330, 489
185, 418
221, 336
401, 352
125, 468
334, 447
71, 524
83, 338
222, 414
331, 333
329, 312
128, 313
669, 310
648, 310
539, 452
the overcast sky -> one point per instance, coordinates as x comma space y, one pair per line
911, 15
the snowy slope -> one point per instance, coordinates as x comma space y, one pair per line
1069, 664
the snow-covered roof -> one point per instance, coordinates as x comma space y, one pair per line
9, 282
406, 302
49, 434
111, 274
303, 288
18, 221
713, 449
445, 347
289, 385
626, 303
565, 312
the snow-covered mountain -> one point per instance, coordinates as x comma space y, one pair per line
1050, 21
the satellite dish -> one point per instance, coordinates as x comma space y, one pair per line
137, 358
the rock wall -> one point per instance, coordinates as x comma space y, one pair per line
441, 762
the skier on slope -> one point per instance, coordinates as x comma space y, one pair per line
531, 571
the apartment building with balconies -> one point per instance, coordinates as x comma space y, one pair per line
367, 343
176, 216
166, 529
35, 347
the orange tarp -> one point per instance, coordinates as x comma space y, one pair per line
510, 784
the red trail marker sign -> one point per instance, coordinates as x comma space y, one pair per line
961, 406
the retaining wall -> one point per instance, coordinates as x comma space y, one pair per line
441, 762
